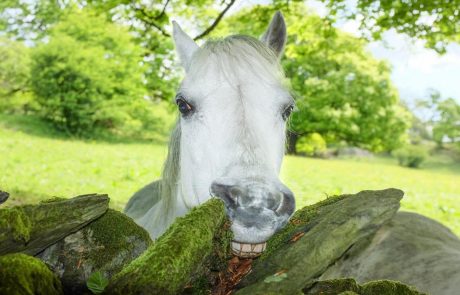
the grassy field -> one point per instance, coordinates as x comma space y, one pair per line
36, 164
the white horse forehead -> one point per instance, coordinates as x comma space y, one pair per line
237, 71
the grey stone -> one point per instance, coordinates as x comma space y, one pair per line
105, 245
412, 249
328, 234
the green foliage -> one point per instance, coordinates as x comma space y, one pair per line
342, 92
311, 145
411, 155
97, 282
443, 117
448, 125
149, 22
14, 76
88, 77
30, 19
435, 21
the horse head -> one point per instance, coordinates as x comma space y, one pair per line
234, 104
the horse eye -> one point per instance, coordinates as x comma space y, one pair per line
287, 112
183, 106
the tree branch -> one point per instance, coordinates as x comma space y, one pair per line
216, 21
148, 19
159, 16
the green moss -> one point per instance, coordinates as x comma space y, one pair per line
298, 223
113, 231
332, 287
204, 280
13, 221
386, 287
170, 263
79, 210
350, 286
21, 274
53, 199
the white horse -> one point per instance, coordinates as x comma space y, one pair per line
229, 141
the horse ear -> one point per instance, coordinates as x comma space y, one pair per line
275, 36
185, 46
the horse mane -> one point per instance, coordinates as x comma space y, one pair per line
170, 173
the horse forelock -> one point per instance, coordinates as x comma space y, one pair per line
237, 56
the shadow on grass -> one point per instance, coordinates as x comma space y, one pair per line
35, 126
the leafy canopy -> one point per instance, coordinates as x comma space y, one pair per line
435, 21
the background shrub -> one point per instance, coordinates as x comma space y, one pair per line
311, 145
89, 76
411, 156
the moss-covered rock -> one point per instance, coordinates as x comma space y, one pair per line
105, 246
32, 228
14, 225
298, 223
315, 238
347, 285
178, 256
21, 274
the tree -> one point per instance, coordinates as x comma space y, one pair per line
14, 76
88, 76
435, 21
448, 125
441, 116
149, 22
342, 92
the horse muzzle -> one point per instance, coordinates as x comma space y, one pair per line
257, 208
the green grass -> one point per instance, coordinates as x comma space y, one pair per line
36, 163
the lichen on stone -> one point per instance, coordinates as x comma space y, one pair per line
105, 245
170, 263
113, 233
297, 223
53, 199
350, 286
387, 287
14, 222
21, 274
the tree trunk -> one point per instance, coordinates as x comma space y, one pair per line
291, 142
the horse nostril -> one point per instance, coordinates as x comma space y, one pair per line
228, 193
287, 204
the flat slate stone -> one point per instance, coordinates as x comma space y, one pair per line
331, 229
31, 228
